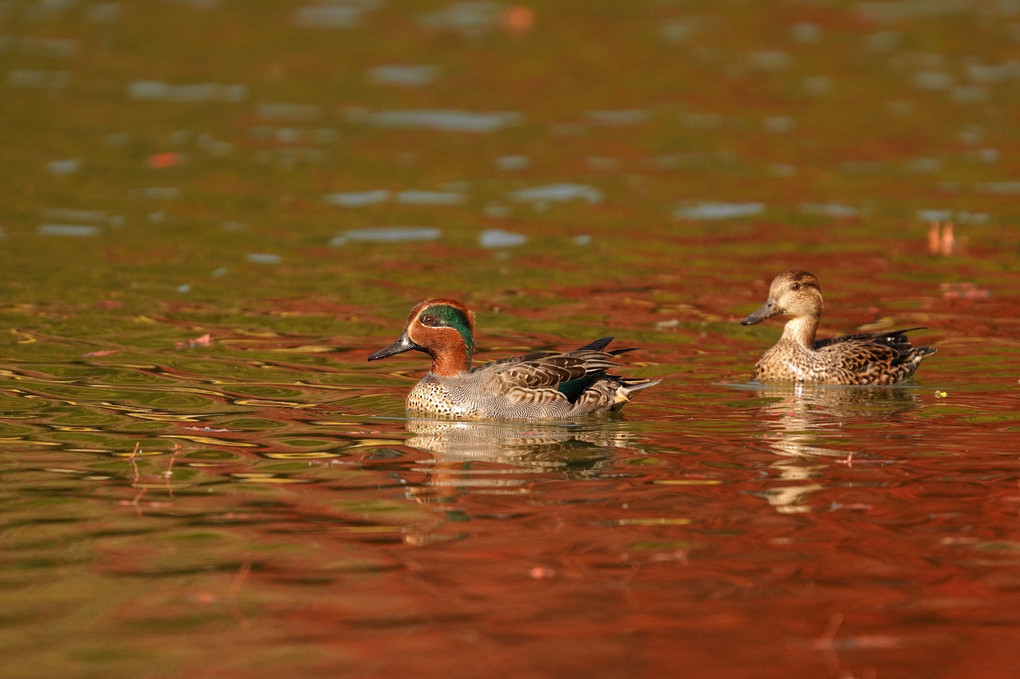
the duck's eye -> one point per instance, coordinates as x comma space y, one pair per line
428, 320
795, 286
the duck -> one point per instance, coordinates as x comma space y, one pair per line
862, 358
541, 385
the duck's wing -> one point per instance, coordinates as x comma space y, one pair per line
895, 338
881, 357
598, 345
566, 374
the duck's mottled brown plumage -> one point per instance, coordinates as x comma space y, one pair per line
862, 358
536, 386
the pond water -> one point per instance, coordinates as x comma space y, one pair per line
214, 210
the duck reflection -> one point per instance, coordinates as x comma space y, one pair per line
513, 453
796, 419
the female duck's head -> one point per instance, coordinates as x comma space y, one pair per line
793, 293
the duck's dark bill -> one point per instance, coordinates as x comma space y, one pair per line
766, 312
402, 344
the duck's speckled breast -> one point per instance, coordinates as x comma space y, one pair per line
443, 397
481, 395
789, 362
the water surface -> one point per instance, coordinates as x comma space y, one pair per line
216, 210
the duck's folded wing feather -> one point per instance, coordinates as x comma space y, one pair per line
551, 370
864, 352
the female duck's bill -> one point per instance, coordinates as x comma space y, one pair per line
535, 386
862, 358
767, 311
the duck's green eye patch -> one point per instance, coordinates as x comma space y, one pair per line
441, 315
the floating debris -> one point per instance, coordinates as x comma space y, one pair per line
157, 193
817, 85
964, 290
941, 240
469, 17
263, 258
1005, 187
557, 193
969, 94
387, 234
778, 124
216, 147
357, 198
164, 160
336, 15
51, 48
63, 167
413, 197
677, 30
719, 210
203, 341
932, 80
446, 120
408, 197
806, 33
496, 211
158, 90
960, 216
513, 162
77, 215
923, 165
72, 230
517, 19
38, 79
288, 111
100, 353
830, 210
105, 12
403, 75
497, 238
769, 60
783, 170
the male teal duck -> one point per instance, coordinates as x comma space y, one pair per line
864, 358
536, 386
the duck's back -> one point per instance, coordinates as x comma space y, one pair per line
875, 358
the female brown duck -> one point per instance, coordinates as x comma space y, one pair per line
864, 358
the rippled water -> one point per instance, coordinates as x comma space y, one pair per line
214, 211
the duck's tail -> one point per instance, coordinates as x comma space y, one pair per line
629, 385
